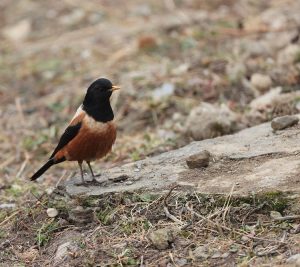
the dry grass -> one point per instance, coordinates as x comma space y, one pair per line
235, 230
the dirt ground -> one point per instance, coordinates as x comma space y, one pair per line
51, 51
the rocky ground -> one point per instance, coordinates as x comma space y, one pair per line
189, 71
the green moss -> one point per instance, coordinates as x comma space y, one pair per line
44, 233
106, 216
276, 200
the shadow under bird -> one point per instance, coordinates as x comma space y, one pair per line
91, 132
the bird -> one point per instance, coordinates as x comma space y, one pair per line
90, 133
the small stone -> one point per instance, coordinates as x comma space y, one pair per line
275, 214
283, 122
261, 82
18, 32
52, 212
199, 160
7, 206
289, 54
244, 239
201, 252
162, 238
225, 255
147, 43
207, 121
29, 255
216, 255
295, 259
81, 216
163, 92
181, 262
64, 250
50, 190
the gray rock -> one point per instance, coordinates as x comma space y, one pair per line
289, 54
63, 252
295, 259
81, 216
275, 214
216, 255
7, 206
198, 160
18, 32
225, 255
261, 82
245, 239
163, 92
207, 121
264, 101
162, 238
181, 262
283, 122
269, 173
201, 252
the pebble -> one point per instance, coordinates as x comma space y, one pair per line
64, 251
18, 32
7, 206
52, 212
208, 121
295, 259
289, 54
225, 255
50, 190
283, 122
245, 239
81, 216
216, 255
162, 238
165, 91
261, 82
199, 160
275, 214
201, 252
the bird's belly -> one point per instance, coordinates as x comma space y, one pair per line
92, 143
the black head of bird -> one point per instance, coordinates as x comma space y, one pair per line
98, 92
97, 100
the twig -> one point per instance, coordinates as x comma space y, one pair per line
252, 211
287, 218
170, 216
227, 203
168, 195
22, 168
61, 177
172, 259
233, 230
20, 110
9, 217
166, 210
7, 162
142, 261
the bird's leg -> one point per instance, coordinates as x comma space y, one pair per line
93, 175
81, 172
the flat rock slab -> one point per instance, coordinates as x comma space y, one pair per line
253, 160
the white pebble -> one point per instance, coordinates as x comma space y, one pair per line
52, 212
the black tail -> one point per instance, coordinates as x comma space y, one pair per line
45, 167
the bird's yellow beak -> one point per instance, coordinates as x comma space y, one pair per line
114, 88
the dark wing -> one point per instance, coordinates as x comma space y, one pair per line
66, 137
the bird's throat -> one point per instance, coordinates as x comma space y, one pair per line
101, 112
